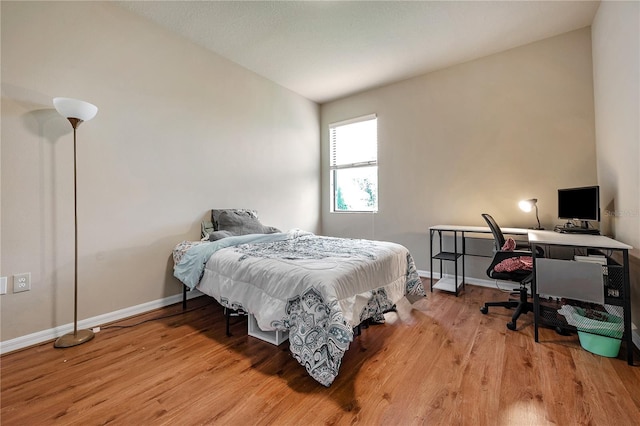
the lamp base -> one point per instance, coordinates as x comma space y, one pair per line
73, 339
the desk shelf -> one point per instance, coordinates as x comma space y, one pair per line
447, 255
447, 283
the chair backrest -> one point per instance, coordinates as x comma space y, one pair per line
498, 238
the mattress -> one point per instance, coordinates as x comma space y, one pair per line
316, 288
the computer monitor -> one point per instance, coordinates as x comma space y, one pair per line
581, 204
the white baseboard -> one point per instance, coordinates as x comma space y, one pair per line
505, 285
53, 333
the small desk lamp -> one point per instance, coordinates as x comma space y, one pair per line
527, 205
76, 112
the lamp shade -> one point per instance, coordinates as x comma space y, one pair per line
527, 205
75, 108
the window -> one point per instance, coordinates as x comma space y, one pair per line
354, 165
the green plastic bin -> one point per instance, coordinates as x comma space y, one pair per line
599, 345
599, 337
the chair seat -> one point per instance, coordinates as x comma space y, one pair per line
518, 275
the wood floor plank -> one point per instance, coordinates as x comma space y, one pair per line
438, 361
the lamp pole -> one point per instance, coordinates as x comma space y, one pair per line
76, 112
539, 226
75, 122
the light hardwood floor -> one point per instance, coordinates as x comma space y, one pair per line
438, 362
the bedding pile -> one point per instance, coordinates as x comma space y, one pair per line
316, 288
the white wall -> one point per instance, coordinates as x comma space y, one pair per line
474, 138
616, 71
179, 131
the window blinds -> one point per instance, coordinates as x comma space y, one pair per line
354, 142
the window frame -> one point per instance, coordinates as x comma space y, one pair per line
334, 168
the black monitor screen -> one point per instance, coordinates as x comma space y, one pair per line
579, 203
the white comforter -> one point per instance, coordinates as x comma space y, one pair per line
317, 288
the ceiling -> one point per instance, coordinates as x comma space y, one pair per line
325, 50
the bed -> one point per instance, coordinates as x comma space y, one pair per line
316, 288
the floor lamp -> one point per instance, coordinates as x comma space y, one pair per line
76, 112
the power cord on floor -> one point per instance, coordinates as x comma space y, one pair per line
501, 289
106, 327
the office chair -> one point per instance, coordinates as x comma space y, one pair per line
524, 277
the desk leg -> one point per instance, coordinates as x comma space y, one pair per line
627, 307
464, 252
536, 299
455, 266
431, 259
440, 250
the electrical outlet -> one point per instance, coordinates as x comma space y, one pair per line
3, 285
22, 282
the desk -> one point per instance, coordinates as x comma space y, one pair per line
589, 242
453, 284
537, 238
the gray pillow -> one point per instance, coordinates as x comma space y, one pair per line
218, 235
215, 215
242, 223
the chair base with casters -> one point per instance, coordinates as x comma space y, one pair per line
522, 306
